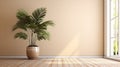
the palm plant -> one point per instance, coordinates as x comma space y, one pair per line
33, 25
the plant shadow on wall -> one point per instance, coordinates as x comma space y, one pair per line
34, 28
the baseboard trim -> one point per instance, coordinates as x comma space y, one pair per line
71, 56
53, 56
13, 56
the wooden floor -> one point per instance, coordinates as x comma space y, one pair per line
60, 62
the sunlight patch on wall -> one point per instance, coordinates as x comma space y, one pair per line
72, 46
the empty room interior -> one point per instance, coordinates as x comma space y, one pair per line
59, 33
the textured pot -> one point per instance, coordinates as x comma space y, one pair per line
32, 52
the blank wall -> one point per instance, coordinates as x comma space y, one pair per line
78, 30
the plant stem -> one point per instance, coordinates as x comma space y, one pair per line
31, 38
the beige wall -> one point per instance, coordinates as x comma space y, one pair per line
78, 30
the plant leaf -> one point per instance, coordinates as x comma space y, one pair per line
48, 23
20, 24
39, 14
21, 35
45, 24
43, 35
21, 14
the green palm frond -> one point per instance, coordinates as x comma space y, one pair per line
39, 14
21, 14
19, 25
24, 20
48, 23
43, 35
21, 35
45, 24
23, 17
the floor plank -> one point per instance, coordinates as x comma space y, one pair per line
65, 63
60, 64
54, 62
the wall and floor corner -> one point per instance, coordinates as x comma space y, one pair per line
78, 30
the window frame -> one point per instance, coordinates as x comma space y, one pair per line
106, 28
107, 34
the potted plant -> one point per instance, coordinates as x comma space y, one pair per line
34, 28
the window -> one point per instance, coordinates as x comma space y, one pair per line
112, 28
